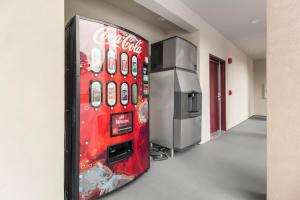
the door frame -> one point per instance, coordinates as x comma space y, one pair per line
223, 89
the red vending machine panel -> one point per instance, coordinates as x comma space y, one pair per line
107, 128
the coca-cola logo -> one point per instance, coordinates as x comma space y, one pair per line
108, 35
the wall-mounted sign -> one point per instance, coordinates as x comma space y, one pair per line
264, 91
121, 123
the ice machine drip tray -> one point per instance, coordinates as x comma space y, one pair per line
119, 152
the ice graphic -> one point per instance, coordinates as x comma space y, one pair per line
100, 178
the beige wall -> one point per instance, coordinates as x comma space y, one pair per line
260, 79
98, 9
283, 82
32, 100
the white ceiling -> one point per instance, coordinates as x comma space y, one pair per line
233, 19
144, 14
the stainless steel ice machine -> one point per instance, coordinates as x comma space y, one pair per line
175, 96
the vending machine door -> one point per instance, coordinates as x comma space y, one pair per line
107, 89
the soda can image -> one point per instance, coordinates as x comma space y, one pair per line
111, 64
95, 94
111, 93
134, 66
134, 94
96, 60
124, 63
124, 94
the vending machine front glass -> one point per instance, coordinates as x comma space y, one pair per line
107, 129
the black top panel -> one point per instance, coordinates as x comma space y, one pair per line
173, 53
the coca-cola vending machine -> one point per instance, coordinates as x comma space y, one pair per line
106, 108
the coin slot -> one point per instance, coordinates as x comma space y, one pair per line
119, 152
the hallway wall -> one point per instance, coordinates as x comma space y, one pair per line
239, 74
283, 44
260, 80
32, 100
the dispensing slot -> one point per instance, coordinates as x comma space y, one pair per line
119, 152
192, 102
194, 107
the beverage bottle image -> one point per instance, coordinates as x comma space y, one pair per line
134, 66
124, 94
124, 63
111, 94
111, 62
96, 60
134, 94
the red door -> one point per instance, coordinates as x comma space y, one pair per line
217, 94
214, 107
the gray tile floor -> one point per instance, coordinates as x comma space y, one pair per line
230, 167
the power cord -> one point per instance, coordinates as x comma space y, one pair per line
159, 153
